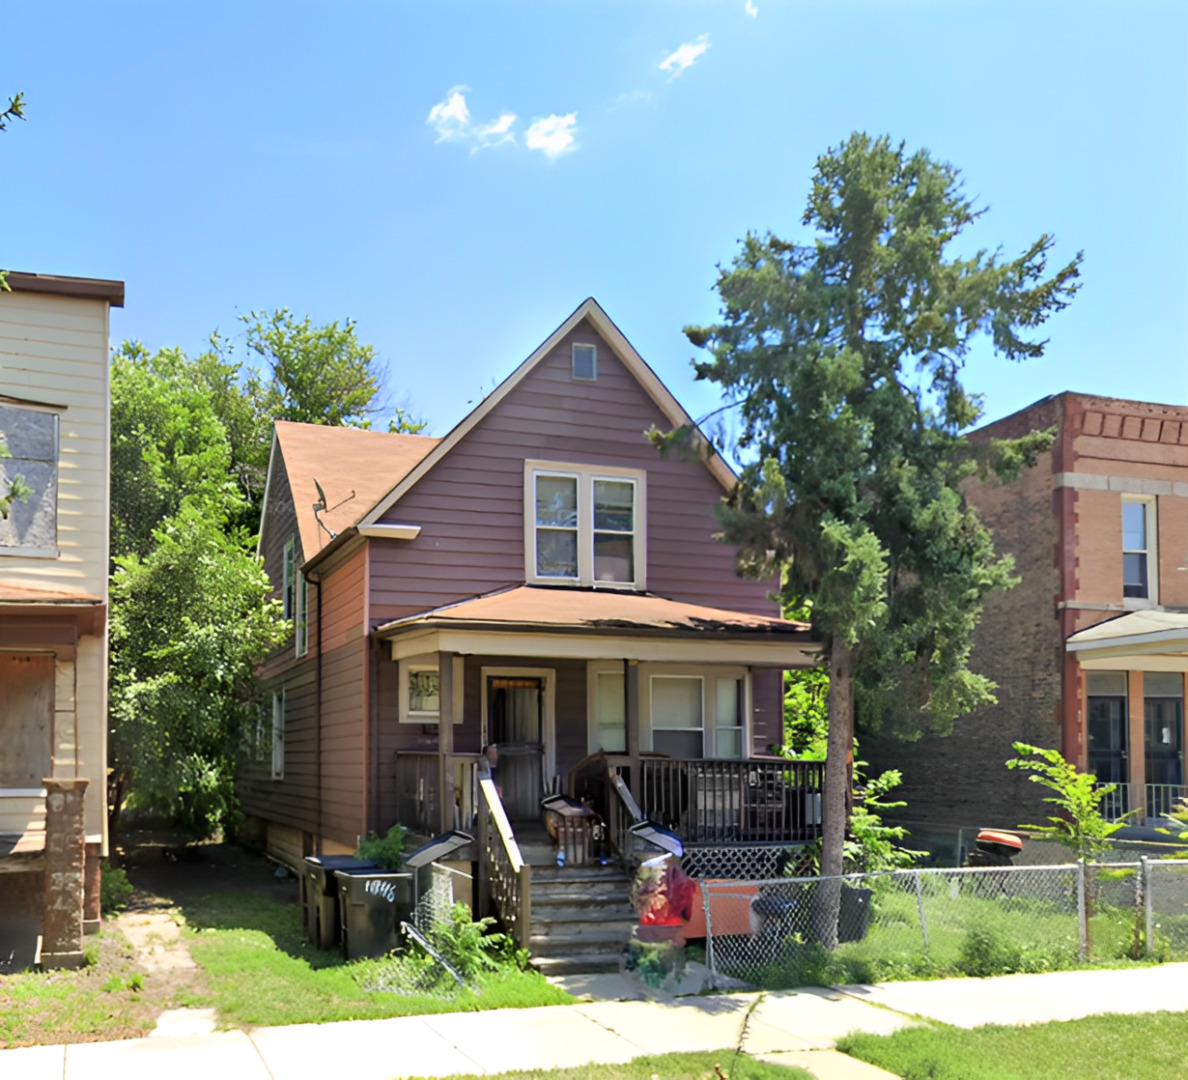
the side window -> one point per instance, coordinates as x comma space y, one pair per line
28, 482
278, 735
301, 615
1139, 561
287, 592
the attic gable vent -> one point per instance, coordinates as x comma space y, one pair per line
585, 362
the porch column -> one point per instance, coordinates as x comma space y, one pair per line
445, 738
65, 860
631, 690
1136, 739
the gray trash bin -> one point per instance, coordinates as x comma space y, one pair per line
372, 904
319, 896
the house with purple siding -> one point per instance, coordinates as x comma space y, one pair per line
542, 579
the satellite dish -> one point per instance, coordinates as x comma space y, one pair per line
321, 503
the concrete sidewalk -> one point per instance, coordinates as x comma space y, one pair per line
790, 1027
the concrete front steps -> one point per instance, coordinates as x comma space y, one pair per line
581, 915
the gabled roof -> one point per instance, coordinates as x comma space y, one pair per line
355, 468
553, 608
589, 309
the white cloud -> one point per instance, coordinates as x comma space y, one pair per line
552, 135
685, 56
451, 118
752, 10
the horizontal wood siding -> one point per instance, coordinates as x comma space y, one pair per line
471, 505
293, 800
54, 350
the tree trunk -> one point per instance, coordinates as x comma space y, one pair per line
840, 747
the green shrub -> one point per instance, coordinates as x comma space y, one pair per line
114, 889
985, 951
90, 954
386, 852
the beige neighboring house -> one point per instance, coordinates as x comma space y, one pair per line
55, 413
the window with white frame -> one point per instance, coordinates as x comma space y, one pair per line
301, 615
585, 362
278, 735
1139, 559
584, 526
698, 716
607, 707
288, 595
420, 690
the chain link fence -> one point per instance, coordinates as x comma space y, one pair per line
793, 931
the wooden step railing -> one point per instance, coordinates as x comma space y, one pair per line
505, 877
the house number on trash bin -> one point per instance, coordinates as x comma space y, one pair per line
381, 888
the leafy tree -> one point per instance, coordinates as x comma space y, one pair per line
168, 446
189, 623
14, 489
806, 719
843, 355
1080, 826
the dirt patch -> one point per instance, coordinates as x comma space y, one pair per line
140, 965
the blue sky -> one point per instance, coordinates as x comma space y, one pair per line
357, 160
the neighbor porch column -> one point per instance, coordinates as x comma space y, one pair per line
1136, 739
631, 718
445, 739
65, 861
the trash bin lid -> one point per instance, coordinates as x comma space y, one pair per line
437, 848
338, 862
998, 843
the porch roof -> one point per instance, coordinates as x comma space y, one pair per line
532, 620
12, 592
1152, 640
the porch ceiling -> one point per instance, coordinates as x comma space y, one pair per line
1143, 640
601, 624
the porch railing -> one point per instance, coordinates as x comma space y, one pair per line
506, 878
1143, 801
756, 801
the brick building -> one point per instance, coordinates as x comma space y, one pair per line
1090, 650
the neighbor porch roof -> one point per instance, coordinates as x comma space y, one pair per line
1152, 640
530, 620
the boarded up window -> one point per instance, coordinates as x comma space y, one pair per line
26, 708
31, 438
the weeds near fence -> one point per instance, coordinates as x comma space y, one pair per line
916, 924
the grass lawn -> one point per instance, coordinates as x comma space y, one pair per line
262, 972
669, 1067
1149, 1045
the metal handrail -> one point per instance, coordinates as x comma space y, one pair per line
505, 871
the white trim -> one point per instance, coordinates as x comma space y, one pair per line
300, 613
630, 359
585, 477
22, 793
1151, 525
264, 519
288, 569
648, 672
390, 531
595, 668
548, 722
427, 662
606, 647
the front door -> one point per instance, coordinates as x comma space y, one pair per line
1164, 724
515, 723
1107, 749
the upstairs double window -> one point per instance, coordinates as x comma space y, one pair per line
584, 526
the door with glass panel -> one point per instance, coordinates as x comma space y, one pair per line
515, 723
1163, 723
1108, 753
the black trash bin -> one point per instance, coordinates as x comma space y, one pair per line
319, 895
856, 910
372, 903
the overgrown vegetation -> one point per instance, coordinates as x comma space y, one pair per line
387, 851
115, 890
1095, 1048
190, 616
1080, 826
